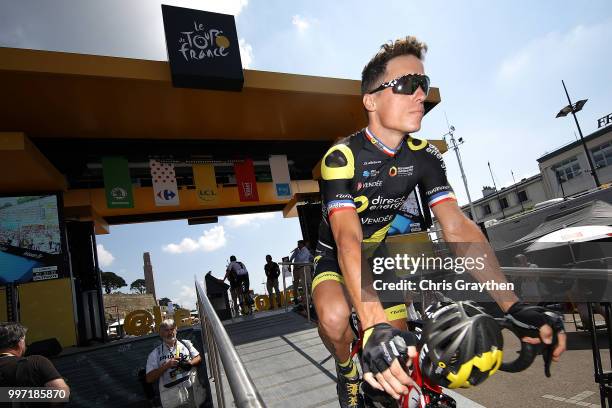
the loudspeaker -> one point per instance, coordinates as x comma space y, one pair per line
47, 348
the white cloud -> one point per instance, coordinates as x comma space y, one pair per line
177, 282
234, 7
211, 240
235, 221
246, 53
557, 52
105, 258
300, 22
187, 297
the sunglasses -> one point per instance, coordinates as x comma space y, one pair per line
406, 84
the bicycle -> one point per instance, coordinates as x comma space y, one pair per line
430, 395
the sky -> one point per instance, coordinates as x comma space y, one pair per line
498, 66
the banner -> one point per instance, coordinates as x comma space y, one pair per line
245, 180
280, 176
164, 183
117, 182
205, 183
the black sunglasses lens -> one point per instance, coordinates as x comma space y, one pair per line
407, 85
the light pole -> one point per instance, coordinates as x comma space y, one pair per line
496, 192
455, 147
573, 108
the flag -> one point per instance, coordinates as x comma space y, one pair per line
245, 179
117, 182
280, 176
205, 183
164, 183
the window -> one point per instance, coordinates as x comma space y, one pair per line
522, 196
486, 209
602, 155
567, 169
503, 202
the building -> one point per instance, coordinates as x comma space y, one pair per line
512, 200
566, 171
148, 274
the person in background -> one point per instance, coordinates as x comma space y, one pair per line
242, 278
173, 363
301, 254
272, 273
19, 371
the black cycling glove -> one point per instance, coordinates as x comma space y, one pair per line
529, 317
382, 344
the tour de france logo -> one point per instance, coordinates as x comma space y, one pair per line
203, 42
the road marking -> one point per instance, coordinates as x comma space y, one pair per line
576, 399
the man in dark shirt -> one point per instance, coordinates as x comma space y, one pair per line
272, 273
19, 371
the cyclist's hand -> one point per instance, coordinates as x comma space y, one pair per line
545, 321
382, 346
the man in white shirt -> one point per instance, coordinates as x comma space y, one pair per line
172, 364
301, 254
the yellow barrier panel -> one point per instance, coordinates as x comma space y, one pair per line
262, 302
141, 322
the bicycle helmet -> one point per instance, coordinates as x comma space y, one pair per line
462, 345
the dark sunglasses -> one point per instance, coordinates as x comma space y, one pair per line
406, 84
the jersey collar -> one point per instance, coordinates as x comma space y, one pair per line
379, 144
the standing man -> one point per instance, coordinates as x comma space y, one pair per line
242, 279
301, 254
272, 273
366, 178
19, 371
173, 363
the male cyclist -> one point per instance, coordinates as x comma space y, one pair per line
366, 177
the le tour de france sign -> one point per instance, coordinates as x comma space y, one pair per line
203, 49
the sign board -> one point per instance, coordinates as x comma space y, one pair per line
202, 49
605, 121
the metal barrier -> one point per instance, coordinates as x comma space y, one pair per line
308, 268
220, 347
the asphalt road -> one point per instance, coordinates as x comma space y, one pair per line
573, 377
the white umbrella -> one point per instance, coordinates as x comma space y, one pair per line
571, 235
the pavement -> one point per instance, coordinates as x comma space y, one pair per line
291, 368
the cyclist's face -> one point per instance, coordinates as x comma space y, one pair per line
400, 112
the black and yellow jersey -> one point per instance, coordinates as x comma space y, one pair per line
359, 173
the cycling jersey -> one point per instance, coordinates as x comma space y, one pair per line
361, 173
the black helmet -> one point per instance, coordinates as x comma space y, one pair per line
462, 345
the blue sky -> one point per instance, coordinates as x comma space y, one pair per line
498, 65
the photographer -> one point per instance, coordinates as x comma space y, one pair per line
173, 363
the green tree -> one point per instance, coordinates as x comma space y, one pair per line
164, 301
139, 286
111, 281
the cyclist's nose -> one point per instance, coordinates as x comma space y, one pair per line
419, 95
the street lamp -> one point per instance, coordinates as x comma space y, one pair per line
455, 147
573, 108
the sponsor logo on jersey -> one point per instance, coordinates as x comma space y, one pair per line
393, 171
370, 173
371, 162
344, 196
368, 184
381, 203
359, 185
377, 220
437, 190
405, 171
433, 150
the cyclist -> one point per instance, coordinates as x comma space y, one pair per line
366, 178
239, 272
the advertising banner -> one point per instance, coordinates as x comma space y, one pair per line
280, 176
245, 179
164, 183
117, 182
205, 183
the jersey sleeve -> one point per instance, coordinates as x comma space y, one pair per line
433, 177
337, 172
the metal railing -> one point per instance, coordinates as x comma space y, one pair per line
221, 350
307, 270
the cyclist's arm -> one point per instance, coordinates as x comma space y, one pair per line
457, 228
346, 228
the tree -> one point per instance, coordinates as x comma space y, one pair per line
112, 281
139, 285
164, 301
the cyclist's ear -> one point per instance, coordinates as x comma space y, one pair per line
369, 102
